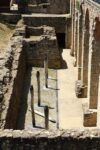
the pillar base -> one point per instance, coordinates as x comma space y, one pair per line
90, 118
89, 115
80, 89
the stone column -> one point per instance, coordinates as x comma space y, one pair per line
85, 55
95, 67
90, 55
74, 37
73, 28
80, 46
76, 40
77, 45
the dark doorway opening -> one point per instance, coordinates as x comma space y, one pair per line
61, 39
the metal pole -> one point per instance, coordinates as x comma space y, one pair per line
38, 86
32, 105
46, 112
46, 70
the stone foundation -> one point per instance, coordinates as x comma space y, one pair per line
52, 140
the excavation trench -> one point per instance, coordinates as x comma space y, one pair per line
32, 57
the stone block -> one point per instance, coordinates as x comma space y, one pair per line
90, 118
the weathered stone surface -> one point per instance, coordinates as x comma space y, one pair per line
70, 139
57, 21
28, 46
37, 45
12, 67
52, 7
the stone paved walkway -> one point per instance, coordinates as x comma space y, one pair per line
70, 107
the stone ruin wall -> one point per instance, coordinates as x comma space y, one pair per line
60, 24
44, 44
18, 57
50, 6
13, 69
53, 21
51, 140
